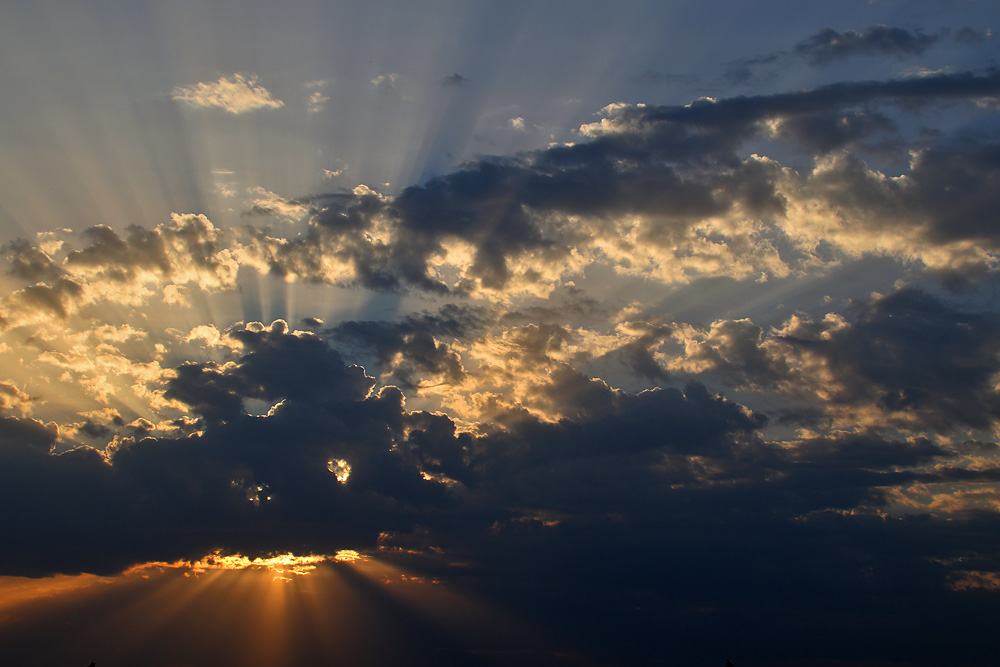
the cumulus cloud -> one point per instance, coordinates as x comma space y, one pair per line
239, 93
129, 270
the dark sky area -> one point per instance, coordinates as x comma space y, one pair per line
552, 333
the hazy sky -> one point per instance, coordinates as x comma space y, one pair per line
668, 330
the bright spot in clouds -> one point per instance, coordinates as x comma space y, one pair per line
281, 564
340, 468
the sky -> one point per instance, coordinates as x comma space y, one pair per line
486, 333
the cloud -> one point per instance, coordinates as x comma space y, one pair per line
11, 397
239, 93
905, 359
408, 352
385, 83
454, 79
661, 192
969, 35
317, 99
266, 202
703, 375
909, 354
828, 45
849, 459
256, 482
317, 102
665, 193
131, 270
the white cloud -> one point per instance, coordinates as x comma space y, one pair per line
239, 93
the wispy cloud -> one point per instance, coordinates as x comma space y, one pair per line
385, 83
317, 99
829, 45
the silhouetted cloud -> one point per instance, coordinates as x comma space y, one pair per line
969, 35
829, 45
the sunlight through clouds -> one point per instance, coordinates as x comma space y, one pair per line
518, 333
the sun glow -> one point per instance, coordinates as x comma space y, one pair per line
232, 609
349, 556
281, 565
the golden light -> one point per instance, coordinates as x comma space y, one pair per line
340, 468
287, 609
279, 565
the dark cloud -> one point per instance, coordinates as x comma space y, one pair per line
57, 299
271, 368
734, 351
950, 192
742, 70
919, 361
829, 45
742, 111
672, 167
639, 354
29, 263
454, 79
632, 511
822, 133
956, 187
120, 258
911, 353
659, 386
409, 351
259, 484
969, 35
